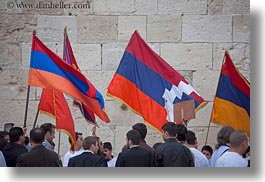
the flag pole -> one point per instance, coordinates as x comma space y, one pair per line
36, 118
27, 101
26, 109
213, 102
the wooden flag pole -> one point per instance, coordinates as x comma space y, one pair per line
26, 109
213, 103
36, 118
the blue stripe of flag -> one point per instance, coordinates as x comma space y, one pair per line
41, 61
227, 91
146, 79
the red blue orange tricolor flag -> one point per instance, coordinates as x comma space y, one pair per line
70, 59
48, 70
232, 101
149, 85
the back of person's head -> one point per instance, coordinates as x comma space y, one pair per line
156, 145
207, 148
191, 138
47, 127
3, 143
37, 135
26, 141
223, 136
3, 134
171, 128
76, 137
141, 128
237, 137
134, 136
15, 133
181, 132
89, 141
107, 145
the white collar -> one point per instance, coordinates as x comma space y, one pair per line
89, 151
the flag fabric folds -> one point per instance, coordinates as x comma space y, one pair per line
70, 59
149, 85
232, 101
48, 70
54, 104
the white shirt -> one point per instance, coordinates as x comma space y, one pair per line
71, 154
2, 160
200, 159
231, 159
112, 162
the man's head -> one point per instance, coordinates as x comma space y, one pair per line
239, 141
91, 143
169, 130
107, 149
191, 139
133, 137
223, 135
16, 134
141, 128
37, 136
181, 132
49, 130
79, 140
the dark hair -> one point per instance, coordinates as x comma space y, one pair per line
76, 137
191, 138
156, 145
171, 128
207, 148
181, 132
223, 136
26, 141
47, 127
37, 135
3, 143
134, 136
88, 141
107, 145
3, 134
15, 133
141, 128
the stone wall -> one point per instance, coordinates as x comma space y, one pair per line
191, 35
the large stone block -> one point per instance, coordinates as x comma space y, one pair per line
205, 83
97, 29
120, 138
163, 28
13, 111
51, 28
206, 28
193, 56
146, 7
88, 56
182, 7
10, 55
128, 24
114, 7
17, 27
215, 7
241, 28
236, 7
239, 53
111, 55
14, 84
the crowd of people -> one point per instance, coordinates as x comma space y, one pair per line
179, 149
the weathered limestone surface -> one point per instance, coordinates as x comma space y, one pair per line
236, 7
114, 7
164, 28
241, 28
206, 28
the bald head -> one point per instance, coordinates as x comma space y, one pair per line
237, 138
